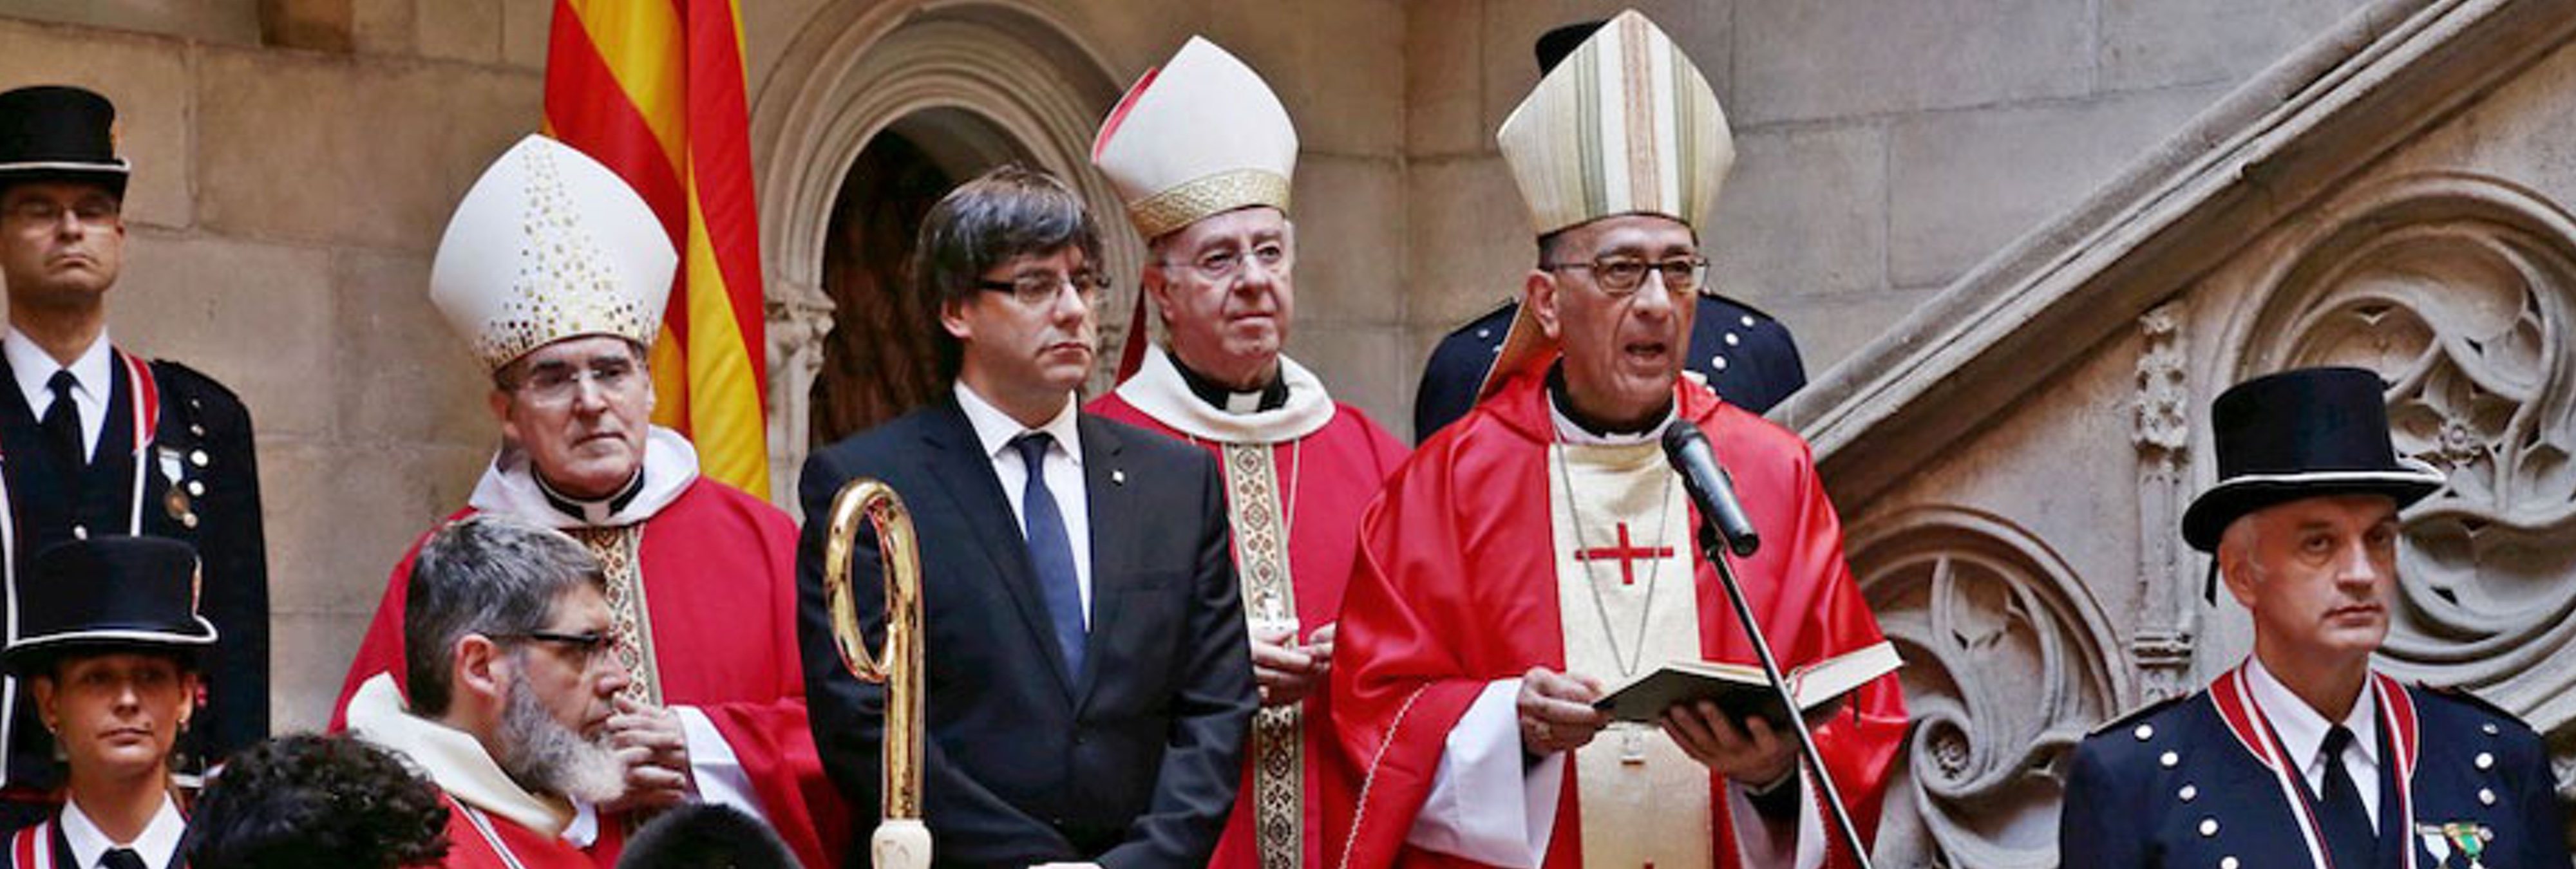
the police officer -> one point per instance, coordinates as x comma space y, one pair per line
2303, 755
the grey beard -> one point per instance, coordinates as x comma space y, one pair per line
543, 755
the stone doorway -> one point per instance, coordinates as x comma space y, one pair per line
878, 361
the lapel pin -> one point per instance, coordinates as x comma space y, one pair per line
1117, 477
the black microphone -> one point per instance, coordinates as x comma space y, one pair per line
1710, 487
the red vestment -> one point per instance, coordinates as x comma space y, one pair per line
476, 840
719, 575
1457, 586
1325, 479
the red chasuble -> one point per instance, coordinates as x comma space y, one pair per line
477, 839
1457, 586
1324, 479
719, 576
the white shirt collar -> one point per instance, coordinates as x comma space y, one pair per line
32, 366
1159, 392
2301, 728
1568, 432
995, 429
159, 842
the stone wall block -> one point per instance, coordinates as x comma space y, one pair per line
147, 78
227, 21
1829, 328
1964, 184
527, 26
2159, 43
1803, 61
1805, 213
1703, 28
1350, 240
308, 657
340, 514
407, 376
467, 30
1337, 65
1363, 365
350, 152
389, 27
1471, 241
258, 317
1444, 78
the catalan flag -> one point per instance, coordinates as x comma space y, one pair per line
654, 89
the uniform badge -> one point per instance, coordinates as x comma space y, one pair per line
2467, 838
175, 500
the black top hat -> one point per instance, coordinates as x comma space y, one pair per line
2301, 434
107, 592
59, 133
1554, 45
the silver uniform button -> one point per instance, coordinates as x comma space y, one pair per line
197, 458
2189, 793
2486, 796
197, 488
2227, 862
2208, 827
1731, 340
1484, 333
2169, 760
2485, 760
2488, 728
1717, 362
1747, 320
2145, 732
80, 532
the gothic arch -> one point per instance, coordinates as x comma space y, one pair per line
2008, 661
981, 77
2460, 290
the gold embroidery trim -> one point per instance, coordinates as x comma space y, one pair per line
628, 616
1225, 191
1269, 599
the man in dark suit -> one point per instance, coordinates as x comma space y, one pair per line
100, 441
1088, 676
2303, 755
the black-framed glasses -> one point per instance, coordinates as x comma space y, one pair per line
588, 644
1224, 264
1622, 275
1040, 289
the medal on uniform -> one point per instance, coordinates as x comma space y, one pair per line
2472, 837
2435, 843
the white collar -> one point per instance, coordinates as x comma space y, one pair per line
455, 760
2301, 728
32, 366
158, 843
995, 429
1158, 391
510, 488
1567, 432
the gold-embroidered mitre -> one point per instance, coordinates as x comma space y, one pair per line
548, 245
1200, 135
1624, 125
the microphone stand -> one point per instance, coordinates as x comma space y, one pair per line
1713, 545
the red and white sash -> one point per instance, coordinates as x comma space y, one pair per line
2235, 701
33, 847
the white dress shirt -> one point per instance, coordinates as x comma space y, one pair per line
33, 367
157, 845
1063, 469
2303, 731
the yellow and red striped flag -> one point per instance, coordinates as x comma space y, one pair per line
654, 89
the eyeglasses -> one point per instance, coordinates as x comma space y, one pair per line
1622, 275
1040, 289
89, 210
556, 383
587, 644
1224, 264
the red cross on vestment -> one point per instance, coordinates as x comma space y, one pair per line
1627, 555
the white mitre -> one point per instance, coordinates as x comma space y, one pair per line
548, 245
1623, 125
1201, 135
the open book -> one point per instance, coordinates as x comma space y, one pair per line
1740, 690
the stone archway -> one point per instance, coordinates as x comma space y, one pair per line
966, 85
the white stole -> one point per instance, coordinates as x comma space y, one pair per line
1628, 603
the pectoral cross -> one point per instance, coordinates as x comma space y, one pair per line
1632, 746
1626, 553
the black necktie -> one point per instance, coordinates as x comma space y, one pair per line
1051, 550
121, 858
2347, 824
62, 420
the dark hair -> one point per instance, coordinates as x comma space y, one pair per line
48, 663
305, 800
1003, 213
705, 836
483, 574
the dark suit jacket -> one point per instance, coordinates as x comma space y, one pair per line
1132, 762
201, 487
2127, 808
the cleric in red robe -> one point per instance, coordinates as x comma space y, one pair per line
700, 575
1202, 151
1541, 549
